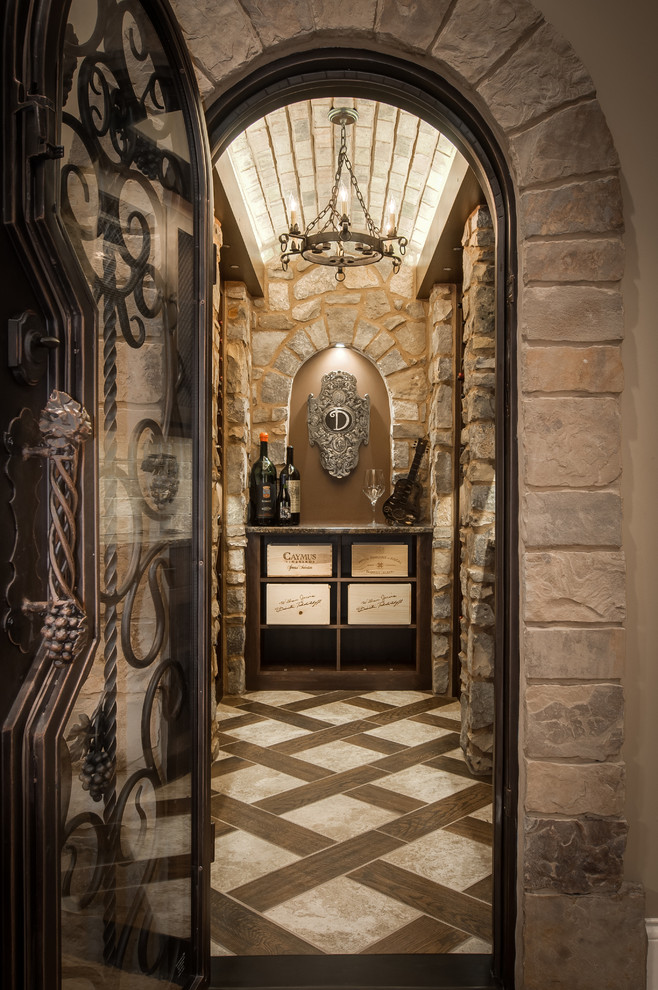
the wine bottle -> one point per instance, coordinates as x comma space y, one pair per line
262, 488
289, 502
283, 512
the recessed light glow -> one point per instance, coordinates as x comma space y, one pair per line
340, 345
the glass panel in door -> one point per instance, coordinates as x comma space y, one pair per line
130, 791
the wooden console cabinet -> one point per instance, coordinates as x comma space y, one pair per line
338, 608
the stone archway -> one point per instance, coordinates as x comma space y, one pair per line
530, 89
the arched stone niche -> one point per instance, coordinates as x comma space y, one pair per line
339, 501
538, 99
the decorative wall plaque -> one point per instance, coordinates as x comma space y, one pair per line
338, 422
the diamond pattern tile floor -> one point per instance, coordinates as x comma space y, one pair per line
348, 823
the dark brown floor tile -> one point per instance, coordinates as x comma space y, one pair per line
376, 743
170, 807
439, 813
370, 704
382, 797
457, 767
234, 700
298, 797
483, 889
291, 746
422, 935
439, 720
238, 721
248, 934
292, 880
229, 765
452, 907
264, 756
473, 828
406, 711
283, 715
304, 704
223, 738
412, 755
222, 828
295, 838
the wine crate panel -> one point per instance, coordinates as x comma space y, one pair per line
297, 604
305, 560
379, 605
380, 560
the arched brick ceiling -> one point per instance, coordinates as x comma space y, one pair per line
294, 150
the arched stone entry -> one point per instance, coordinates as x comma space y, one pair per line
537, 98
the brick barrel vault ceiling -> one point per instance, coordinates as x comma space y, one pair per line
295, 150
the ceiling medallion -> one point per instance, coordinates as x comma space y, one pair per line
329, 238
338, 422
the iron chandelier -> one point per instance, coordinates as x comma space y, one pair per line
329, 238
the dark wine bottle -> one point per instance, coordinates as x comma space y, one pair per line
283, 512
262, 488
289, 500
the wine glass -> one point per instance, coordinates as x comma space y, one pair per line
373, 488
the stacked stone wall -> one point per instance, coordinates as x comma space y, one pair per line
442, 345
477, 493
411, 343
306, 310
217, 497
237, 433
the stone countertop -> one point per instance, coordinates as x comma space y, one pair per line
380, 529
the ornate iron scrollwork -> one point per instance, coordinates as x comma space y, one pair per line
338, 422
127, 171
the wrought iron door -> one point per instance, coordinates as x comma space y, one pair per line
117, 843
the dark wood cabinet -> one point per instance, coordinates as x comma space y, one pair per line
338, 608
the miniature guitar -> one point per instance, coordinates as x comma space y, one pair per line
402, 506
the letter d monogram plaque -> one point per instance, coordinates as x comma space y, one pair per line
338, 422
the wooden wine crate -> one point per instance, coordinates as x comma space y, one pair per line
297, 604
380, 560
307, 560
379, 604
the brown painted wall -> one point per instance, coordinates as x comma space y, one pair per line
327, 500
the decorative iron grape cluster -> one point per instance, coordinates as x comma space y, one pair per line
96, 773
62, 629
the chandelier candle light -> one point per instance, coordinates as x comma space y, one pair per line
329, 238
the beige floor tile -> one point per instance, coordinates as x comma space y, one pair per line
424, 783
267, 733
338, 755
277, 697
399, 697
474, 946
240, 858
253, 783
453, 710
341, 916
228, 711
339, 817
448, 859
337, 713
216, 949
409, 733
484, 814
